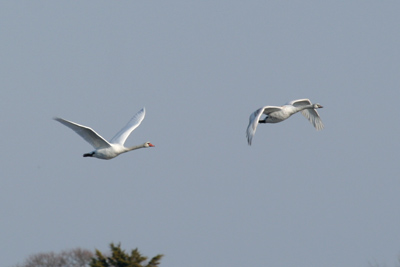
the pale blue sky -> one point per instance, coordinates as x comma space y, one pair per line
202, 196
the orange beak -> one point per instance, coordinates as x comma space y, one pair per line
150, 144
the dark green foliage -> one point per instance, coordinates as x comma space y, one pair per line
119, 258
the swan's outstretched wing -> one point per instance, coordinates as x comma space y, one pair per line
253, 123
254, 118
86, 133
123, 134
300, 102
311, 114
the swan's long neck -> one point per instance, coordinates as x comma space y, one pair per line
300, 108
135, 147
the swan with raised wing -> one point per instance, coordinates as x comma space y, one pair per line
276, 114
103, 148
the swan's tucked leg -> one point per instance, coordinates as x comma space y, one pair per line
264, 120
89, 154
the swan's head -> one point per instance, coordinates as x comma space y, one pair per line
317, 106
148, 144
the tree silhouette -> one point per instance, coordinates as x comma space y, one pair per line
84, 258
119, 258
68, 258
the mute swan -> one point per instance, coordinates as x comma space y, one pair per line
278, 114
103, 148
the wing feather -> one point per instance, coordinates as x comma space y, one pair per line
123, 134
313, 117
310, 114
87, 133
299, 102
269, 109
254, 118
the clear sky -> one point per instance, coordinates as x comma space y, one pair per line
202, 196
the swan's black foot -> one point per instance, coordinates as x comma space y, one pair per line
262, 121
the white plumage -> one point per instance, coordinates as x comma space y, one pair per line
276, 114
103, 148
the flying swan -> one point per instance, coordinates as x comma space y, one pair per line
103, 148
277, 114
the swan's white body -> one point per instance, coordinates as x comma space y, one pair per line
103, 148
277, 114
